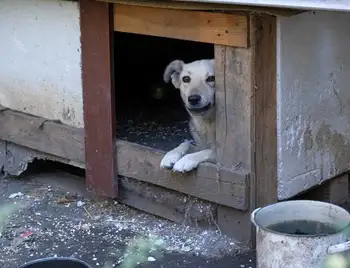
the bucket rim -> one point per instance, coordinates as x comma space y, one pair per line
52, 259
347, 226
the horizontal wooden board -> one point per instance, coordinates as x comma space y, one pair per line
221, 186
224, 187
208, 27
42, 135
200, 6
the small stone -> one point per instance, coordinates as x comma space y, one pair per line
151, 259
80, 204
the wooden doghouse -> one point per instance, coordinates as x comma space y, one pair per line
244, 47
243, 40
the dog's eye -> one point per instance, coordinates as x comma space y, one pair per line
186, 79
211, 79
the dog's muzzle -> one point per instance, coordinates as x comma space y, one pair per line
199, 110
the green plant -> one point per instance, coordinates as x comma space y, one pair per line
5, 212
140, 250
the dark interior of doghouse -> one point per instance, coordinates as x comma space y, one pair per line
149, 111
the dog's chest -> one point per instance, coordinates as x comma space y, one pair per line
203, 133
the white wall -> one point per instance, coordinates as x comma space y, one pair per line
313, 99
40, 71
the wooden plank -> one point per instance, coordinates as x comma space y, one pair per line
246, 107
208, 27
222, 186
42, 135
98, 94
335, 191
235, 131
200, 6
171, 205
233, 106
339, 190
235, 223
264, 45
142, 163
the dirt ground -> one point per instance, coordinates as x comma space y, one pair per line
53, 222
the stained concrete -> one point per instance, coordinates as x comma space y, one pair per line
313, 100
40, 51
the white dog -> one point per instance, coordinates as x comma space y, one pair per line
196, 82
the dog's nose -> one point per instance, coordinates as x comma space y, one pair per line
194, 99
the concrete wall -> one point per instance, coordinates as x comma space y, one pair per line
313, 99
40, 71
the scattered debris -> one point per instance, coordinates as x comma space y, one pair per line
45, 229
15, 195
80, 204
66, 200
26, 234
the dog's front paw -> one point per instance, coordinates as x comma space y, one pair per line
185, 164
169, 160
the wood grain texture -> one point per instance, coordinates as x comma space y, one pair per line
142, 163
264, 44
98, 97
233, 104
235, 223
134, 161
42, 135
208, 27
201, 6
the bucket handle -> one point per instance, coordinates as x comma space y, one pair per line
339, 248
252, 216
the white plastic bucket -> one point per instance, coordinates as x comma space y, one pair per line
278, 245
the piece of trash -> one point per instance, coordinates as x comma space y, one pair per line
66, 200
151, 259
15, 195
80, 204
26, 234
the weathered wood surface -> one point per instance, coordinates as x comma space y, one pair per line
233, 104
200, 6
264, 72
142, 163
222, 186
99, 97
43, 135
208, 27
162, 202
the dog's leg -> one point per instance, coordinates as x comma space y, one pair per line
191, 161
171, 157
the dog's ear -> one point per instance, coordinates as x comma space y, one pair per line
172, 71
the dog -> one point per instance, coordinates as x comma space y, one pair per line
196, 82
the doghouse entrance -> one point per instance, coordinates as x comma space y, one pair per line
149, 111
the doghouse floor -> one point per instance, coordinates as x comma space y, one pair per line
144, 128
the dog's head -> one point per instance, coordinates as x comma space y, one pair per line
196, 82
